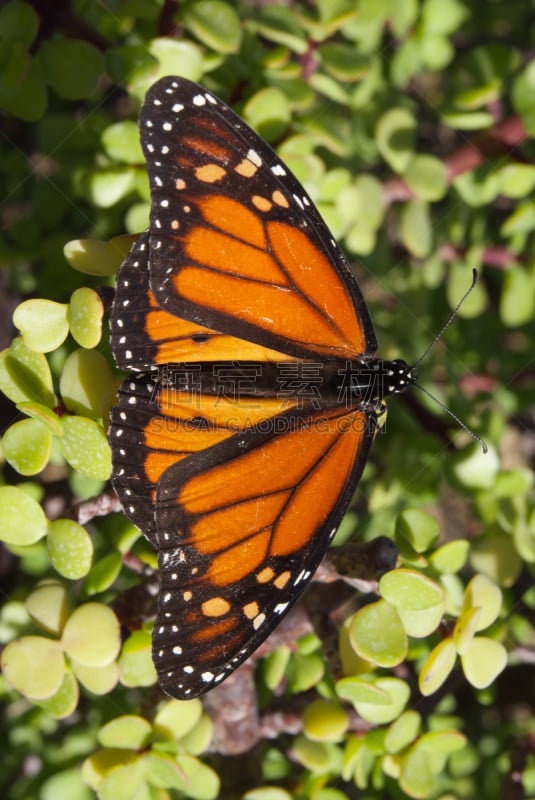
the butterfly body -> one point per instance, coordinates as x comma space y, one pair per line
240, 436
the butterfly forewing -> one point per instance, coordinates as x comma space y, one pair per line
250, 255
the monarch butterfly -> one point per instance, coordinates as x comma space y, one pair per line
241, 434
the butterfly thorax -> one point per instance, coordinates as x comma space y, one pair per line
362, 383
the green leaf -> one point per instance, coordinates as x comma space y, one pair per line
517, 180
324, 721
34, 666
109, 185
517, 301
451, 557
405, 588
420, 623
360, 205
514, 482
442, 744
344, 62
466, 628
84, 315
93, 257
523, 95
329, 87
201, 782
104, 761
15, 62
124, 782
358, 761
177, 718
174, 57
198, 740
483, 661
417, 527
307, 671
377, 634
443, 16
72, 67
335, 13
27, 445
478, 187
475, 469
42, 414
22, 521
468, 121
460, 278
135, 661
61, 705
215, 24
426, 176
98, 680
121, 142
406, 62
495, 555
361, 690
86, 383
18, 21
274, 666
395, 136
278, 24
23, 92
48, 606
92, 636
128, 732
84, 445
70, 548
484, 594
398, 693
268, 111
267, 793
103, 573
416, 778
403, 731
314, 756
403, 16
43, 324
520, 221
416, 228
437, 667
478, 96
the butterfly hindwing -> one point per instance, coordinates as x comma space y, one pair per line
239, 538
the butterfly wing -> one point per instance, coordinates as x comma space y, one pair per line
144, 334
255, 514
240, 503
251, 255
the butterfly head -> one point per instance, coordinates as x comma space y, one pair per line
399, 376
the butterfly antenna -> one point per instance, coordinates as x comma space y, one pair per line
437, 338
450, 413
454, 313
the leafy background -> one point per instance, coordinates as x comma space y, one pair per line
411, 124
